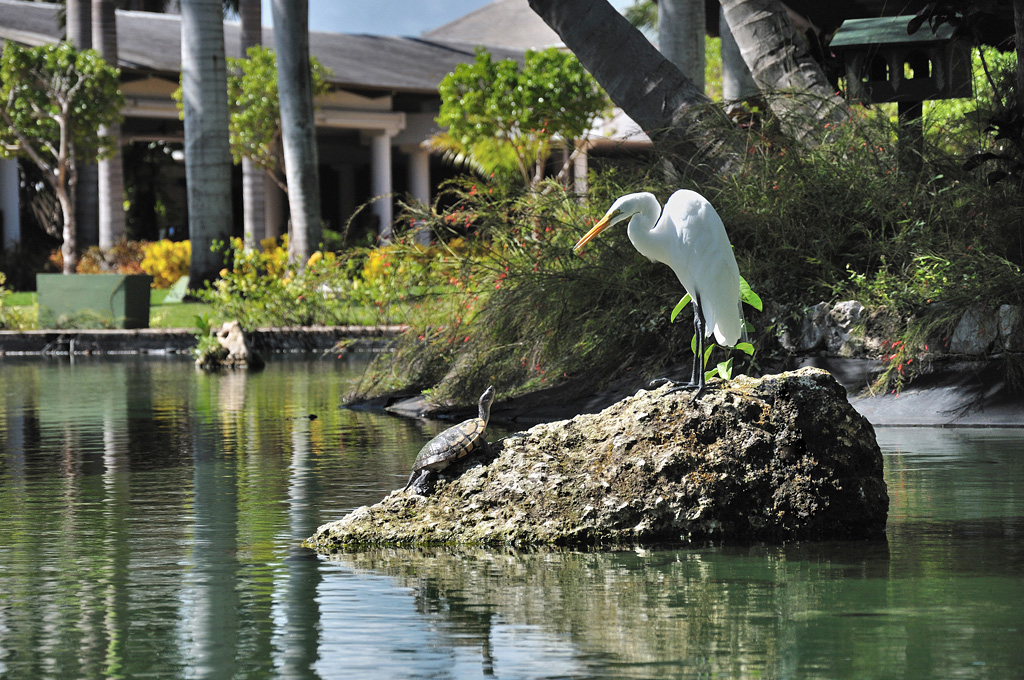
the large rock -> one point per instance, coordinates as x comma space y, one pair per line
976, 332
232, 350
1011, 330
775, 459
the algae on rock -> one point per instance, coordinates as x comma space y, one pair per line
780, 458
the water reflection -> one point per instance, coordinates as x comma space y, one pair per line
150, 518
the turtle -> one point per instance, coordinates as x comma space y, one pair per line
457, 442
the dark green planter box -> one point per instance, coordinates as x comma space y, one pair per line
93, 300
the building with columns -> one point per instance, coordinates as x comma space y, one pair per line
371, 127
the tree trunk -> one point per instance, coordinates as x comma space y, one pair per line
253, 177
783, 69
681, 30
79, 33
76, 24
69, 247
295, 90
1018, 21
110, 171
207, 151
737, 83
662, 101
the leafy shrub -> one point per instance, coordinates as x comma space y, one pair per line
842, 220
10, 317
124, 257
166, 261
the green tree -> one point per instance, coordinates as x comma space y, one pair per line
53, 100
256, 110
504, 119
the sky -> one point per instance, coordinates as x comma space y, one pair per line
388, 17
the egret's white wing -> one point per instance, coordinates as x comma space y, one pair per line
697, 249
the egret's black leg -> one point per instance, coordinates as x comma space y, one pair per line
698, 348
698, 358
697, 372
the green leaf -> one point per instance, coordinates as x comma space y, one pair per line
679, 308
723, 370
746, 348
749, 296
707, 353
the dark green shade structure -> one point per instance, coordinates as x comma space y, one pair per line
884, 62
93, 300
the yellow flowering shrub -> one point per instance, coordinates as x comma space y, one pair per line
166, 261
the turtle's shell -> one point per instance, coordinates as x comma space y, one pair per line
456, 442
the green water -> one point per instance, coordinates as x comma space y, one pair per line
150, 518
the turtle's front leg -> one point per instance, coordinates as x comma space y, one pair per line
423, 482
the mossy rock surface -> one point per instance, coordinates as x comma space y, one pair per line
774, 459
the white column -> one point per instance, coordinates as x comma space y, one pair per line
380, 177
579, 170
419, 174
9, 203
419, 185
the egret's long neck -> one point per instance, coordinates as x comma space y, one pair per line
641, 225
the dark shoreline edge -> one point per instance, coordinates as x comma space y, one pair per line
959, 392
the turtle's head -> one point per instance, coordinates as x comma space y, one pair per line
486, 399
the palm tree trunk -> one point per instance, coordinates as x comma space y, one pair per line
786, 73
253, 177
667, 105
79, 33
295, 90
681, 29
110, 170
1018, 22
737, 83
207, 151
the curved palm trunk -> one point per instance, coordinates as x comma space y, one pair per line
110, 171
667, 105
785, 72
291, 38
253, 177
207, 152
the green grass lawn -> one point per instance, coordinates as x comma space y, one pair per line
184, 314
174, 315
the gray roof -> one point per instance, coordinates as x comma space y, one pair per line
506, 23
152, 42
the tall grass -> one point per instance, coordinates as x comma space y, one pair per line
841, 220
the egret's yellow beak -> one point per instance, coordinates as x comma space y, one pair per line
598, 228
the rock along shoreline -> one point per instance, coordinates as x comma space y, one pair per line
775, 459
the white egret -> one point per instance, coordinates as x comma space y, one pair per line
688, 236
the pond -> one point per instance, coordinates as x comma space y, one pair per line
150, 521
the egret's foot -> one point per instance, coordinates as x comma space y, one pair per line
658, 382
689, 386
